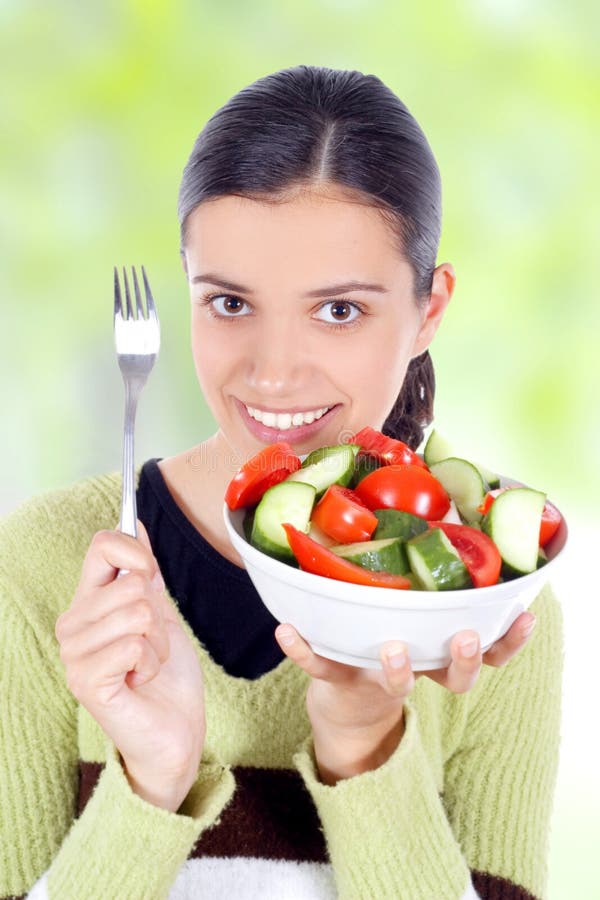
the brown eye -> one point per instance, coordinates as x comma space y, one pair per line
339, 311
228, 307
233, 304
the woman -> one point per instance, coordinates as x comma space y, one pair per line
161, 736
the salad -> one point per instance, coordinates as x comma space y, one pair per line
371, 511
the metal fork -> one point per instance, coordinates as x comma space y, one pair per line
137, 340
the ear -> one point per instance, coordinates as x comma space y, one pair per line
442, 288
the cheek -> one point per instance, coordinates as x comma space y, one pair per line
381, 364
210, 354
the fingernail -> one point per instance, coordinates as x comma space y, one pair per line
469, 647
396, 656
286, 636
158, 583
529, 627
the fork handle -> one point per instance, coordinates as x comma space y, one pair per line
128, 523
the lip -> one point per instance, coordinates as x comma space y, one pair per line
292, 435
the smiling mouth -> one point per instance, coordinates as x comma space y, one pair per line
283, 421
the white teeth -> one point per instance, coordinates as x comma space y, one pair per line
284, 421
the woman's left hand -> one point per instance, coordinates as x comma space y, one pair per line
357, 715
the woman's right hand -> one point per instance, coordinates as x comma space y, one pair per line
131, 665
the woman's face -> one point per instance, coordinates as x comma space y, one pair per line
304, 319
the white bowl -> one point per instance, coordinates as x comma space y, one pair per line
349, 622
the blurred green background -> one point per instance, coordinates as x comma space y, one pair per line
100, 106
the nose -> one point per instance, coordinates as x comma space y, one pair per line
277, 362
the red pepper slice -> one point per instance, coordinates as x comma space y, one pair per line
266, 468
387, 450
318, 560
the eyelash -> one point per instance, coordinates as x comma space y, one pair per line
207, 302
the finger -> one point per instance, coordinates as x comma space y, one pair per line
110, 551
94, 605
140, 616
96, 680
398, 679
465, 664
298, 650
514, 640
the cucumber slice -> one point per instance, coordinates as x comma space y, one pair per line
320, 453
363, 466
438, 448
319, 536
435, 562
491, 478
394, 523
387, 555
464, 484
514, 527
248, 522
453, 516
326, 466
284, 502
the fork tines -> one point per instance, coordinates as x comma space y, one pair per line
127, 311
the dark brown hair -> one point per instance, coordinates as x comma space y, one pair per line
309, 125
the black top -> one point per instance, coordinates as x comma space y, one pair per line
216, 597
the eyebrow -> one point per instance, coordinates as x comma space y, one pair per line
345, 287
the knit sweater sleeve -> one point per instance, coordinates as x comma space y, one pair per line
500, 782
120, 845
396, 832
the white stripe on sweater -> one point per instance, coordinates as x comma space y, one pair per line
247, 879
40, 889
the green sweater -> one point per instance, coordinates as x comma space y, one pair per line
461, 809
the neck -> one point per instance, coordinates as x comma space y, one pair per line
197, 480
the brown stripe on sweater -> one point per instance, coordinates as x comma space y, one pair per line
89, 773
270, 816
492, 887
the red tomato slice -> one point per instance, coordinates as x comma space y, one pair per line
551, 519
476, 549
551, 516
386, 449
409, 488
318, 560
268, 467
342, 515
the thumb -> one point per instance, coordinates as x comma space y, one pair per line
142, 537
142, 534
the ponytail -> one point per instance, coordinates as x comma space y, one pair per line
413, 410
